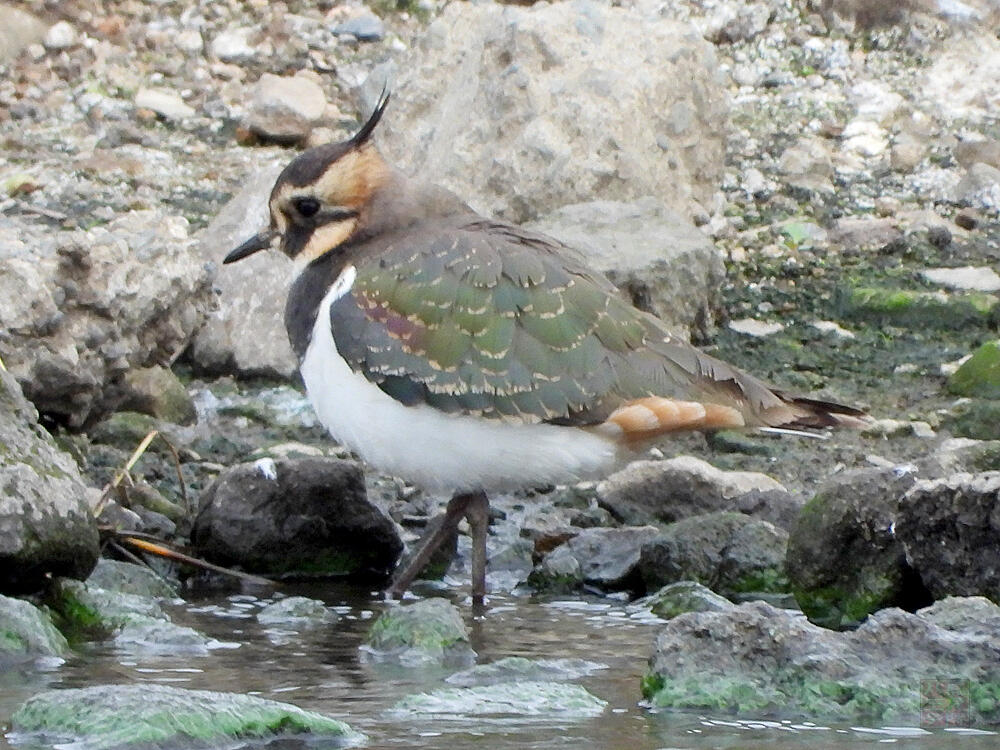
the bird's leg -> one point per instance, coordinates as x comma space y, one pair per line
477, 511
458, 507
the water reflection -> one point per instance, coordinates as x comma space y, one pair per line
320, 669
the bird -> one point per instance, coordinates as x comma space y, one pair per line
468, 355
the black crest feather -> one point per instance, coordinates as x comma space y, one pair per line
365, 133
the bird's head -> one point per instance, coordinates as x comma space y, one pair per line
318, 201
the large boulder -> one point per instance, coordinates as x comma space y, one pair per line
523, 110
756, 659
79, 309
307, 516
845, 560
46, 528
950, 529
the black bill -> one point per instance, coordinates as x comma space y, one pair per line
261, 241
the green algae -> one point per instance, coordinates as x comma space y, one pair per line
113, 716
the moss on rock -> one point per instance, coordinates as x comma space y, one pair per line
113, 716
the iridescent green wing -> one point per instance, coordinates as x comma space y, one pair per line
491, 320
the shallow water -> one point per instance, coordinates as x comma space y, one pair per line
321, 669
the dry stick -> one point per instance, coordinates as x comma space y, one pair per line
123, 472
158, 549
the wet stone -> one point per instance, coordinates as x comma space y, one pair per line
26, 632
425, 633
297, 612
558, 699
979, 376
128, 578
684, 596
115, 716
517, 668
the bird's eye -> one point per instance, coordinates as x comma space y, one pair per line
306, 206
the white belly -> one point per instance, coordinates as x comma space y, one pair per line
438, 451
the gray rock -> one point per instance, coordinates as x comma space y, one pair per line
297, 612
156, 391
980, 187
523, 110
245, 334
655, 256
755, 659
167, 104
667, 491
110, 716
517, 669
556, 699
128, 578
26, 632
736, 22
605, 558
296, 516
845, 560
46, 528
285, 108
950, 529
429, 632
132, 622
684, 596
365, 28
79, 309
728, 552
855, 231
18, 30
907, 152
965, 614
986, 151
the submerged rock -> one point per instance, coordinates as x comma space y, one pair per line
293, 517
519, 669
424, 633
557, 699
114, 716
756, 659
297, 612
46, 527
132, 622
27, 632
